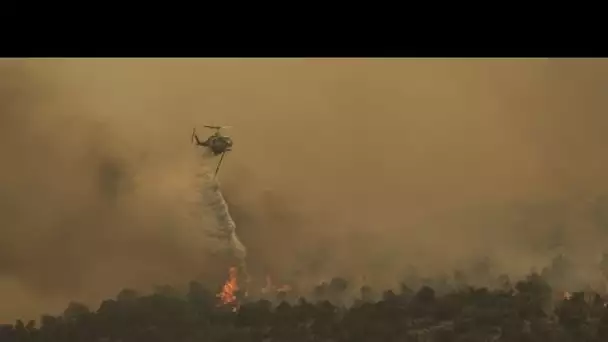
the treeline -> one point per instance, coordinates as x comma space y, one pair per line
525, 311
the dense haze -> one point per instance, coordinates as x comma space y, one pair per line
354, 167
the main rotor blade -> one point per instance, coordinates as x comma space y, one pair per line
217, 127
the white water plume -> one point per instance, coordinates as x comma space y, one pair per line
211, 205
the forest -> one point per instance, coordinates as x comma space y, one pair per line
530, 309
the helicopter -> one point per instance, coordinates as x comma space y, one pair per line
217, 143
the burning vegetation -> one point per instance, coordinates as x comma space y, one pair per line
231, 292
525, 311
270, 288
228, 294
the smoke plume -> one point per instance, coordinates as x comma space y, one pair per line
340, 167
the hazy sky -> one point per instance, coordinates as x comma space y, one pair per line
361, 162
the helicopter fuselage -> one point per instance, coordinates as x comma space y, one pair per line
218, 144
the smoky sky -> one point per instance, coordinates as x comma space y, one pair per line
343, 166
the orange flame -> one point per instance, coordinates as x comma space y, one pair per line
228, 293
270, 288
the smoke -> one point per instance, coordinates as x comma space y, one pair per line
353, 167
88, 209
